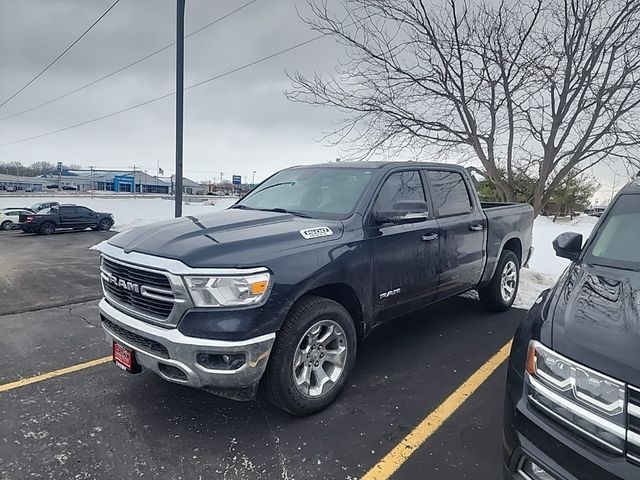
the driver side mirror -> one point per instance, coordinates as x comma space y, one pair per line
568, 245
406, 211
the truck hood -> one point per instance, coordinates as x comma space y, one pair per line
596, 320
231, 238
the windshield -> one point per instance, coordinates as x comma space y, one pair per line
616, 241
315, 192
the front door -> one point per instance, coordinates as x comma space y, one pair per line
403, 256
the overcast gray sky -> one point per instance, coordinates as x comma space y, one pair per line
237, 124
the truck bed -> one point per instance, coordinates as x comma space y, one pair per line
505, 221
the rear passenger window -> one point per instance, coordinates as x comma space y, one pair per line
399, 187
449, 193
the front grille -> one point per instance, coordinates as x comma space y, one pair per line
136, 275
152, 296
633, 421
137, 340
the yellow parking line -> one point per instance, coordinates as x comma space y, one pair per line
409, 444
55, 373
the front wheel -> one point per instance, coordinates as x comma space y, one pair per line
501, 292
312, 357
8, 225
104, 224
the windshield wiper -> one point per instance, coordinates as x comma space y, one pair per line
283, 210
277, 210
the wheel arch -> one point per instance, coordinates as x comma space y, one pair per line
345, 295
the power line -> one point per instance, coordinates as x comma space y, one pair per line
122, 69
167, 95
60, 56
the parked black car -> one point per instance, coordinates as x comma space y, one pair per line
572, 408
73, 217
287, 282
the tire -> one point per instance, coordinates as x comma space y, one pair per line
104, 224
499, 296
7, 225
311, 317
47, 228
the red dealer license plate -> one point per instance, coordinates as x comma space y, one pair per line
124, 357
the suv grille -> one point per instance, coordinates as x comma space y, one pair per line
137, 340
143, 291
633, 420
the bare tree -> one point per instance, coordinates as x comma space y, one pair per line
539, 87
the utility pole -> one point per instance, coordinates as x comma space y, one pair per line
134, 180
253, 178
17, 175
179, 101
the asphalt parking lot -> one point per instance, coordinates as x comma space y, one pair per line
102, 423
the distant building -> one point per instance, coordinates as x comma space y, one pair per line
109, 181
13, 182
189, 187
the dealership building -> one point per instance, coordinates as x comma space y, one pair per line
100, 180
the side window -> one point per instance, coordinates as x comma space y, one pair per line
400, 187
84, 211
449, 193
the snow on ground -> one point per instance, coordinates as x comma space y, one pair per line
544, 268
128, 212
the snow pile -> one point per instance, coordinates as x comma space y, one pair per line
545, 267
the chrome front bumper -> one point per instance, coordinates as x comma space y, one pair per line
182, 352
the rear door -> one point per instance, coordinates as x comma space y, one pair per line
68, 216
403, 257
462, 231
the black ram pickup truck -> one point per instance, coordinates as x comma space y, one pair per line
281, 288
572, 408
58, 217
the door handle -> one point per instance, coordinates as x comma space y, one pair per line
476, 228
429, 237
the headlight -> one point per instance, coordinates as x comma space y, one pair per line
584, 400
233, 291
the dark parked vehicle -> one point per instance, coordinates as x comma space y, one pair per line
283, 286
572, 408
59, 217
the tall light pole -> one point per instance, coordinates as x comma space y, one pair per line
253, 178
18, 164
179, 101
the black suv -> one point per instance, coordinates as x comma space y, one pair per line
572, 408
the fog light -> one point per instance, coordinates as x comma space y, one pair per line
532, 471
216, 361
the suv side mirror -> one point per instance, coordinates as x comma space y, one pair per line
568, 245
406, 211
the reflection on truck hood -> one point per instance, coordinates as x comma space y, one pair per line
228, 238
596, 320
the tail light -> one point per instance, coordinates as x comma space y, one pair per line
29, 219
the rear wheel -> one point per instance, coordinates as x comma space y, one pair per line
501, 292
312, 357
47, 228
7, 225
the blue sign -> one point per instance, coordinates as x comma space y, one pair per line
121, 180
237, 180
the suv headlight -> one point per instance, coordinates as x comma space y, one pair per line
586, 401
228, 291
